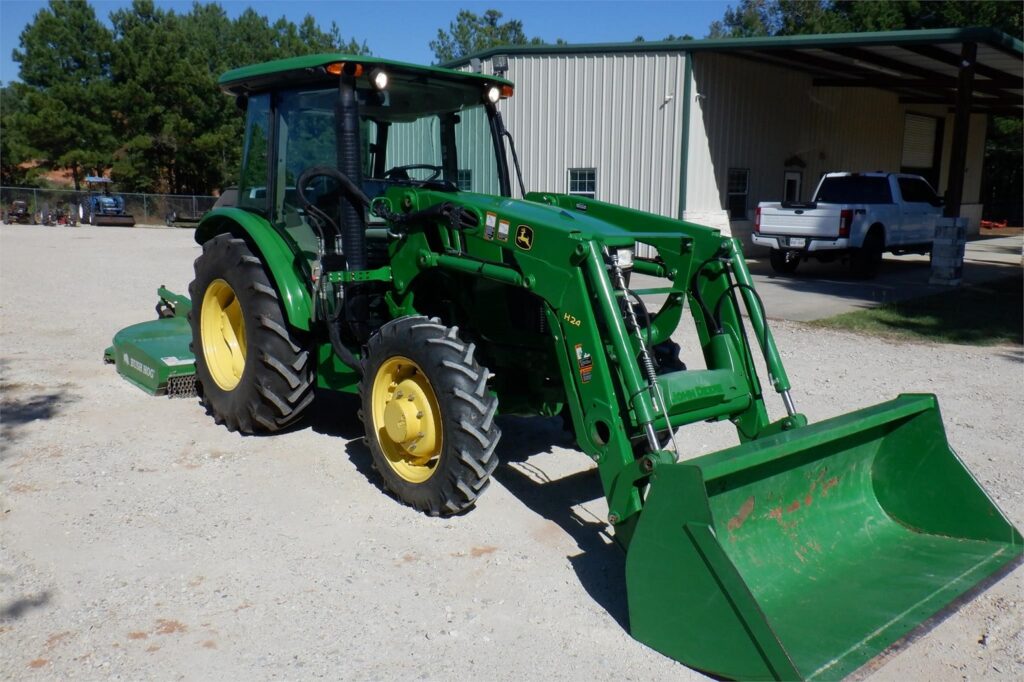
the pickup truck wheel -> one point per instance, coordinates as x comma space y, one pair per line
867, 258
784, 262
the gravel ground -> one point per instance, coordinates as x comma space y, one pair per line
140, 541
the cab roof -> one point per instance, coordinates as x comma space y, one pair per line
313, 68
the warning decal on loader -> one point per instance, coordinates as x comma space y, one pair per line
492, 220
503, 230
585, 361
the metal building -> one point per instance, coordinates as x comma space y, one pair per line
705, 129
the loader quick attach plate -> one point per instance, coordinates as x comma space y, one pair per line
804, 555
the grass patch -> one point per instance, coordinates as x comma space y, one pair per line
981, 315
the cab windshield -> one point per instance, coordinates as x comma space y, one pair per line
424, 130
419, 131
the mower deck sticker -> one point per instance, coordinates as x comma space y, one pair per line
524, 237
490, 222
503, 230
585, 362
145, 370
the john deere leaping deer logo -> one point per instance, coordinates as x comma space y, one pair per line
524, 237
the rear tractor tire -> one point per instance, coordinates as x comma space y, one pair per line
428, 415
255, 373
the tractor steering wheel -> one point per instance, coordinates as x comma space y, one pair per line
402, 172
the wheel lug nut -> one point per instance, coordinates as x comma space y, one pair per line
419, 415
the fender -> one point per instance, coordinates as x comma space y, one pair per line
281, 256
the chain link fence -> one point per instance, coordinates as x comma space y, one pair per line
147, 209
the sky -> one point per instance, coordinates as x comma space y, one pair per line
403, 30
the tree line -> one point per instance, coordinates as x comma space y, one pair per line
139, 99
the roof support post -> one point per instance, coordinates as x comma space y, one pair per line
961, 125
684, 151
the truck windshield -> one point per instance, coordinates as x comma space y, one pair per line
854, 189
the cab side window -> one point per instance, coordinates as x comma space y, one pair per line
252, 185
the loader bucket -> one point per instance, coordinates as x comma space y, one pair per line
803, 555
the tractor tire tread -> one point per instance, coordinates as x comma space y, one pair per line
265, 289
470, 434
459, 367
288, 375
471, 399
276, 386
281, 331
447, 342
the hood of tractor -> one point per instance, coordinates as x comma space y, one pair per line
528, 224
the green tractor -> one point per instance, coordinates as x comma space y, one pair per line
375, 249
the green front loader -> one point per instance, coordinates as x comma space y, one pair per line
375, 248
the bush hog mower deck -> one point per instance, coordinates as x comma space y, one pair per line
375, 248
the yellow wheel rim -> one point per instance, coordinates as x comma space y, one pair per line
222, 329
406, 419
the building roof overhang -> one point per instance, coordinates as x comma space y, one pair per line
920, 66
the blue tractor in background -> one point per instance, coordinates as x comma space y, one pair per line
100, 207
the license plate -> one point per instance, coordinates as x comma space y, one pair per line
797, 242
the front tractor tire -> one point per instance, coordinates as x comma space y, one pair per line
254, 373
428, 415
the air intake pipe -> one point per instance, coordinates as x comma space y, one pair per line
350, 209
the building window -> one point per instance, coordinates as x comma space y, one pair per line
737, 187
583, 182
464, 179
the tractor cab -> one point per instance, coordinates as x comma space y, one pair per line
384, 124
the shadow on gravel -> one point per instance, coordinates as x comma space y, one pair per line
18, 410
1016, 355
600, 566
19, 607
337, 414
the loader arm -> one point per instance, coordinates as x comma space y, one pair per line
800, 553
610, 398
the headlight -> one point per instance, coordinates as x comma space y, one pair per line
624, 258
493, 95
380, 79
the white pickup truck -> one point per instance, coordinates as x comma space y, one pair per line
853, 216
